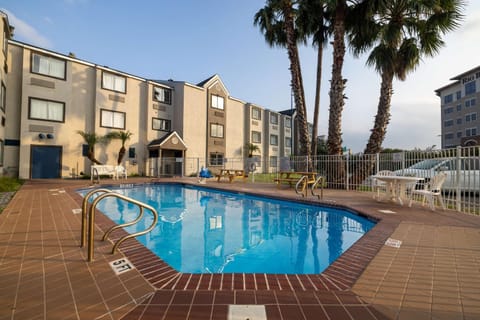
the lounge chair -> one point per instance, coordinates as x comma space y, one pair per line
433, 189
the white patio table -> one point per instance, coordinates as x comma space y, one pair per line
396, 187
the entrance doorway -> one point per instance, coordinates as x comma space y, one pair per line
46, 162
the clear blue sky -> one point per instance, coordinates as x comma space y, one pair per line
190, 40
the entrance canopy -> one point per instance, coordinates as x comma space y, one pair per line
171, 141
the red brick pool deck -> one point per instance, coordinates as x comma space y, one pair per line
44, 274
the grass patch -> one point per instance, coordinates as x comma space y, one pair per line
8, 184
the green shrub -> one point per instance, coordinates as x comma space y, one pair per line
8, 184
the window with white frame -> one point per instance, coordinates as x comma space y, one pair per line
273, 140
470, 88
459, 134
114, 82
256, 114
471, 117
112, 119
216, 130
448, 136
3, 96
288, 122
161, 124
216, 159
288, 142
256, 137
448, 98
470, 132
217, 102
163, 95
48, 66
40, 109
273, 118
448, 123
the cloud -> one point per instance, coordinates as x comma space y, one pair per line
25, 32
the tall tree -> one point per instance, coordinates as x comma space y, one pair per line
277, 22
337, 84
314, 19
123, 136
91, 139
401, 32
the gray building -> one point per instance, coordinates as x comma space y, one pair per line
460, 110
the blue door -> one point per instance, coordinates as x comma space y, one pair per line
46, 162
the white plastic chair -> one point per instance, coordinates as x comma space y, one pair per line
433, 189
378, 185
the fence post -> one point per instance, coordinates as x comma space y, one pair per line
377, 162
346, 176
458, 195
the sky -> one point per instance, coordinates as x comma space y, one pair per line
191, 40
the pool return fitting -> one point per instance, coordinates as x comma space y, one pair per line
89, 218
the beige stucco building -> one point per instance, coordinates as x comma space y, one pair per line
176, 127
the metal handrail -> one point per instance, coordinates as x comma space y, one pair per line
304, 185
83, 240
91, 224
314, 185
94, 170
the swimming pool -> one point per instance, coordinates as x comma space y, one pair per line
201, 230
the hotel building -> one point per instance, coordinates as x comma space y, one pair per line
176, 126
460, 110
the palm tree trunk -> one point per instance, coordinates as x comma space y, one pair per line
334, 143
91, 157
121, 154
297, 82
316, 110
382, 118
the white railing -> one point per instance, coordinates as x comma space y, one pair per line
352, 172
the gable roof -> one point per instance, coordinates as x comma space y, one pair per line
210, 82
168, 141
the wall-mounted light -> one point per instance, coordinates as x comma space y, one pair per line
50, 136
41, 136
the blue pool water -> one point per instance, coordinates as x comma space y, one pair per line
206, 231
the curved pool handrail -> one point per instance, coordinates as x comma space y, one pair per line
297, 185
126, 224
83, 240
91, 224
314, 185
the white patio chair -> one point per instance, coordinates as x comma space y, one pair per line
433, 189
378, 185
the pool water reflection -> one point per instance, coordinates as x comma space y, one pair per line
205, 231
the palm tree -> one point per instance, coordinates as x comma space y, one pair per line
314, 19
123, 136
251, 148
402, 32
276, 21
337, 84
91, 139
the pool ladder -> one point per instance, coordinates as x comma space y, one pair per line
88, 218
303, 182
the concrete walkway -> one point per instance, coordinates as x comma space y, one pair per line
434, 273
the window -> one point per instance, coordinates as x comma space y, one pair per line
288, 122
273, 140
470, 88
448, 110
288, 142
3, 97
459, 107
273, 161
448, 98
459, 120
46, 110
114, 82
216, 130
256, 114
112, 119
471, 117
217, 102
448, 136
473, 102
5, 41
161, 124
273, 118
163, 95
459, 134
48, 66
256, 137
470, 132
448, 123
459, 95
216, 159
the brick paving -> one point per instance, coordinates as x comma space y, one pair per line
434, 274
